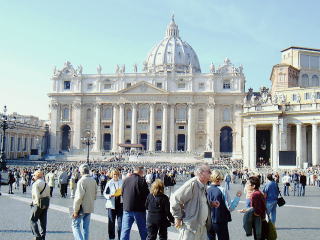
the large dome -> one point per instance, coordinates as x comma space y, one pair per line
172, 54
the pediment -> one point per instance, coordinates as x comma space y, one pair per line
143, 88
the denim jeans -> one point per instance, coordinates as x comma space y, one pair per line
295, 188
302, 190
272, 210
286, 190
227, 185
127, 220
248, 202
81, 231
112, 215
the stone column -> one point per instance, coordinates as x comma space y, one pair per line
134, 124
164, 143
191, 128
246, 146
315, 150
210, 128
76, 108
283, 129
275, 145
299, 161
97, 128
172, 129
151, 129
121, 123
115, 124
253, 146
54, 119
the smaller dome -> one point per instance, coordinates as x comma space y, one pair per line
172, 54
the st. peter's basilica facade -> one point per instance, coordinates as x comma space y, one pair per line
169, 106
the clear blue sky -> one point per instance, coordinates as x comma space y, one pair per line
36, 35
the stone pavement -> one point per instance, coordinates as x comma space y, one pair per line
298, 220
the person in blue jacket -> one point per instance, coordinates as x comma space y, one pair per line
220, 214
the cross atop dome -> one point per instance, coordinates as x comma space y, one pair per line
172, 29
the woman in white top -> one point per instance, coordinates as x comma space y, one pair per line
114, 205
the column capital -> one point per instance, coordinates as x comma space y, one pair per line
134, 105
121, 105
211, 105
76, 105
115, 105
165, 105
315, 124
152, 105
191, 105
97, 105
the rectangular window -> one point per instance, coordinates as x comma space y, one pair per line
304, 61
128, 126
181, 127
106, 126
66, 85
159, 85
158, 127
318, 95
181, 85
107, 86
89, 86
128, 85
306, 96
201, 86
226, 84
294, 97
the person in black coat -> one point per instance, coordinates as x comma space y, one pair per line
11, 181
159, 217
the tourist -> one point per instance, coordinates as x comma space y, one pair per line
114, 204
255, 216
271, 192
189, 206
303, 182
134, 192
103, 181
50, 179
227, 180
295, 180
24, 181
39, 190
220, 215
83, 204
286, 179
11, 181
63, 182
159, 217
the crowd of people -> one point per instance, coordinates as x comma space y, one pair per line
200, 208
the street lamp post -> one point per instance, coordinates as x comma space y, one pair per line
88, 140
6, 122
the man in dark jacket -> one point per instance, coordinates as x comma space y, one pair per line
303, 182
134, 193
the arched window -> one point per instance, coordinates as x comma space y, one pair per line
201, 114
89, 113
315, 81
107, 113
182, 113
159, 115
65, 114
305, 80
226, 115
143, 113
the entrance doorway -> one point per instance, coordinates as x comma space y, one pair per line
181, 142
65, 144
107, 141
226, 140
144, 140
158, 145
263, 141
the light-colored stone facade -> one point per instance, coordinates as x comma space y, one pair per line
169, 106
286, 118
30, 133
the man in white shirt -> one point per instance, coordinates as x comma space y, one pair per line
39, 190
286, 179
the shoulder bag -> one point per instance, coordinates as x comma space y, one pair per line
280, 200
44, 201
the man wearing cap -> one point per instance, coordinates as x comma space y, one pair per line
39, 190
83, 204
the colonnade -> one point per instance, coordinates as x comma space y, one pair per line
281, 142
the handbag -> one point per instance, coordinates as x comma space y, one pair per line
280, 200
271, 230
44, 201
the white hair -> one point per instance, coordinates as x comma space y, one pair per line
201, 168
84, 168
